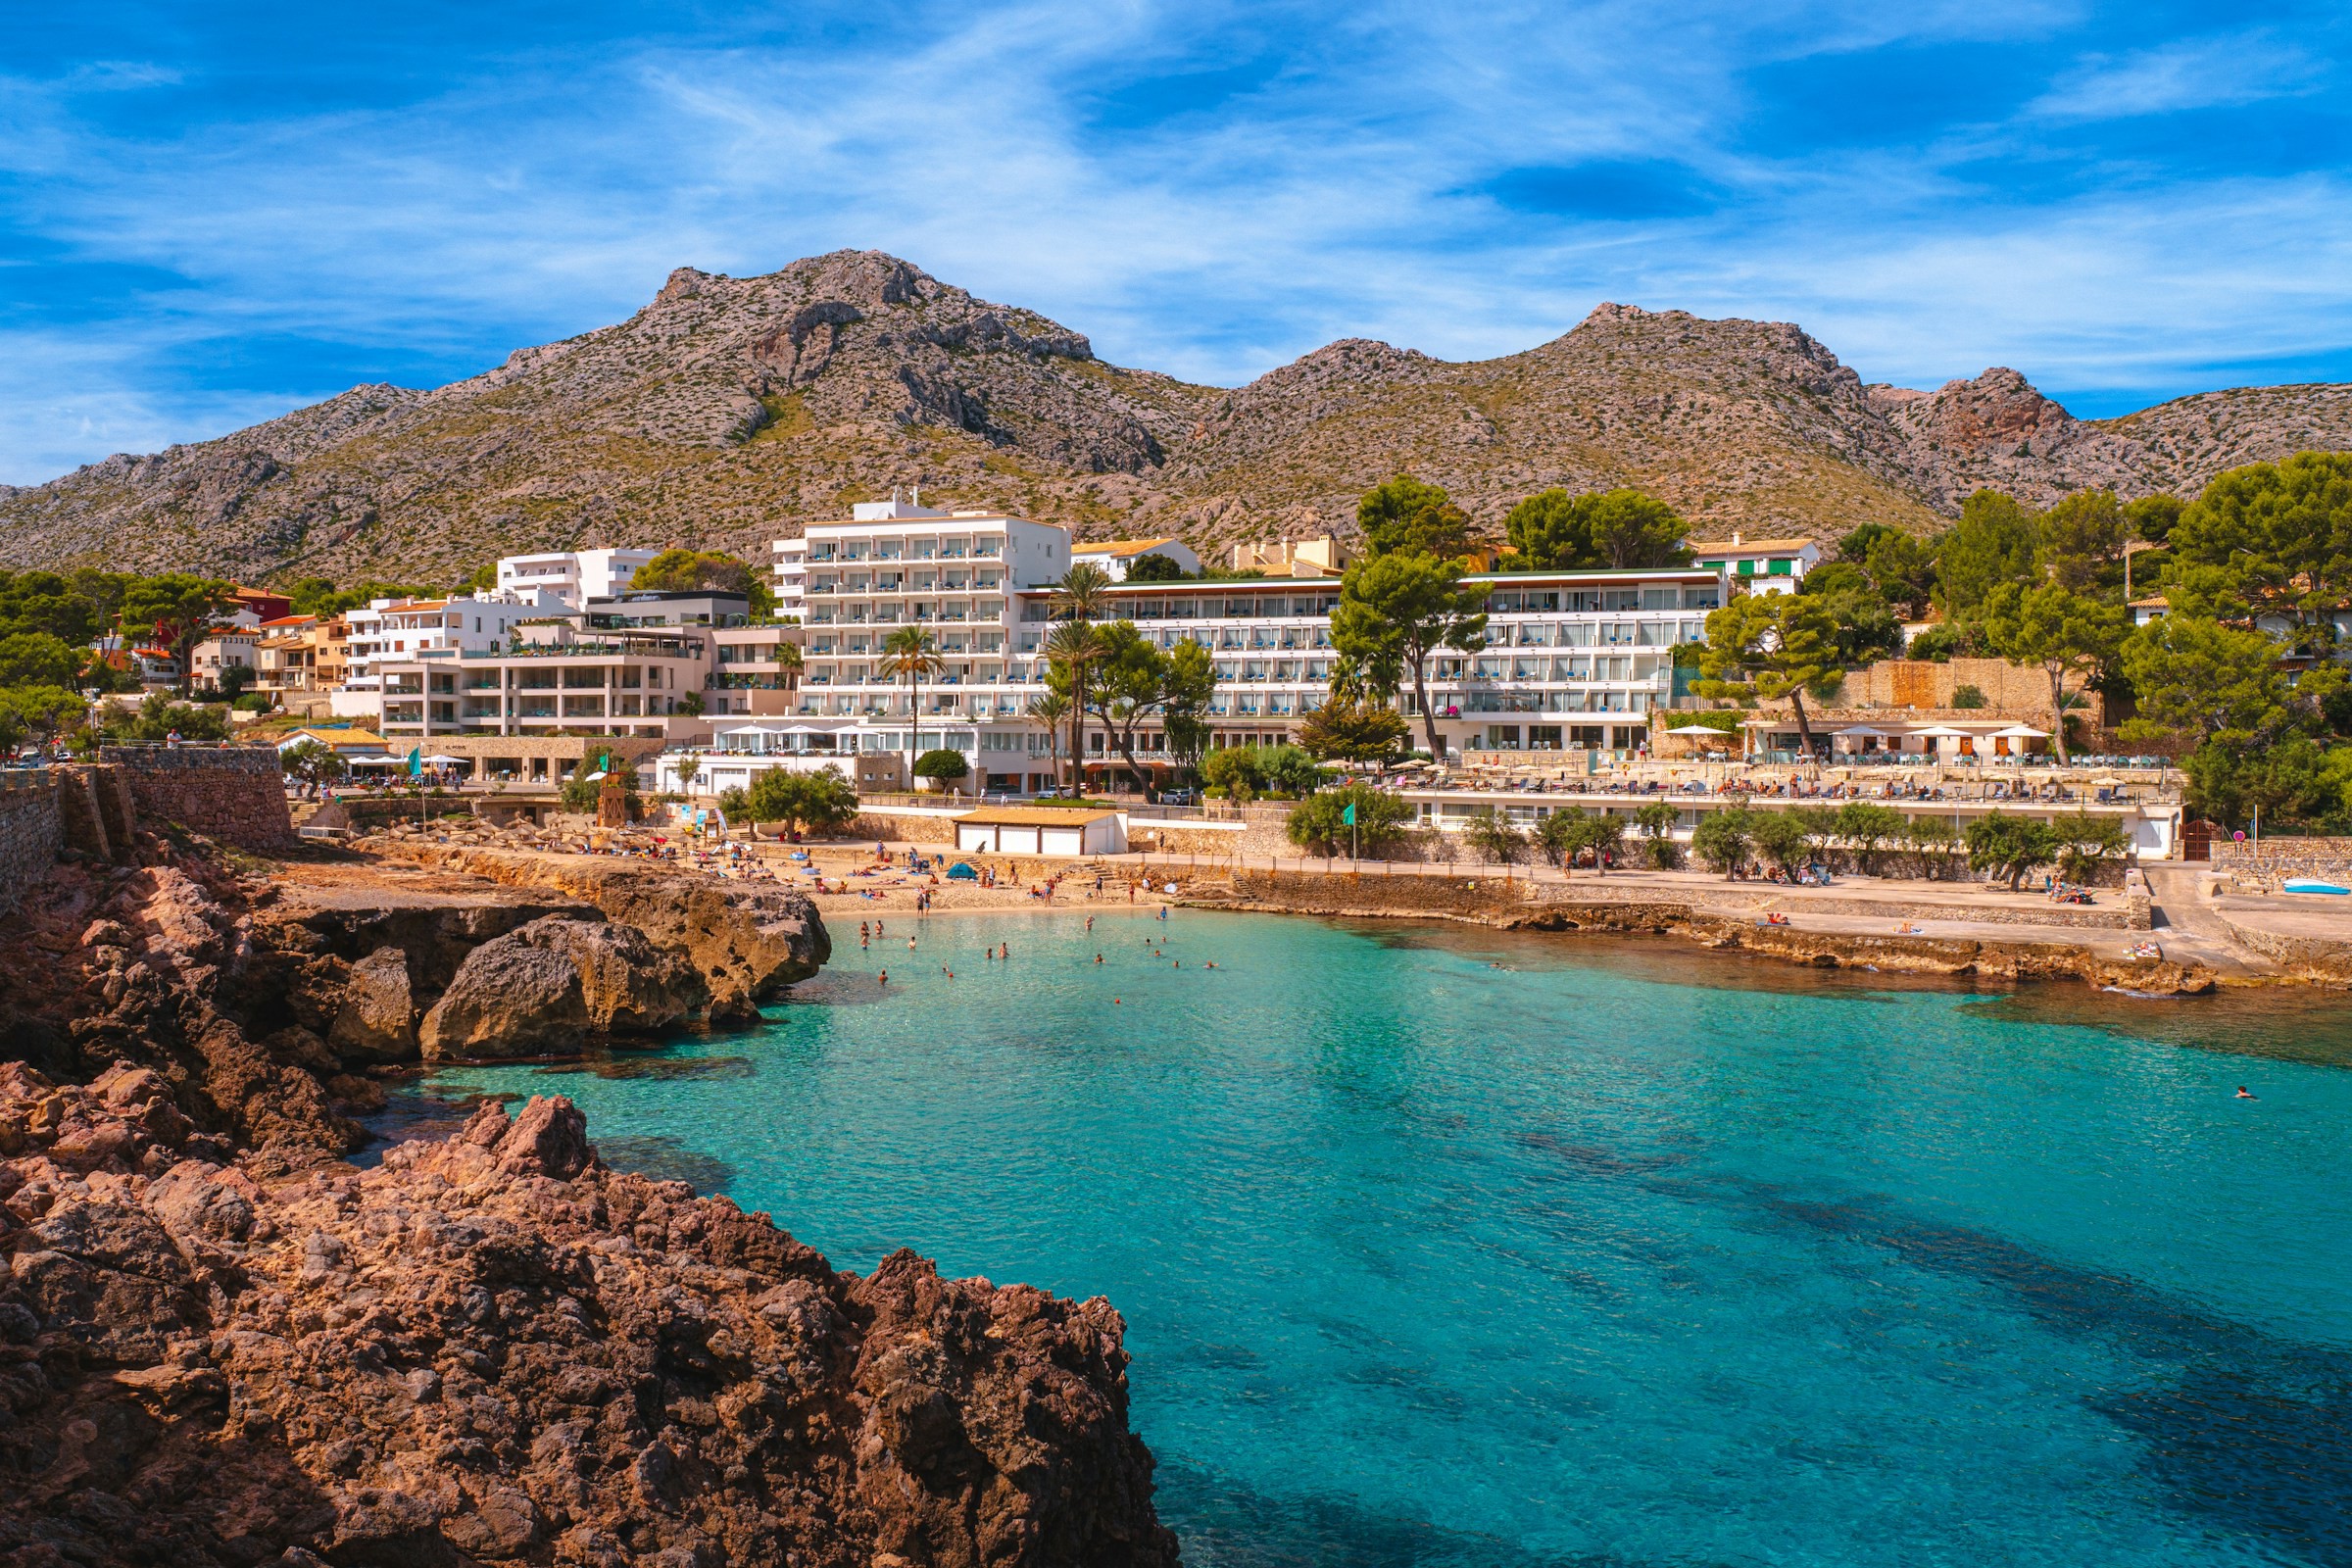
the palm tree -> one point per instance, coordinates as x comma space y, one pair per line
1074, 645
1080, 598
909, 653
1083, 593
1047, 712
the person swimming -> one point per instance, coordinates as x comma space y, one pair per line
1097, 958
2243, 1093
883, 978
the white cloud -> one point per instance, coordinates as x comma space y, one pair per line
2192, 74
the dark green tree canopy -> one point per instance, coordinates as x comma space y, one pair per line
1353, 731
1614, 529
2269, 538
1155, 568
1865, 625
1994, 542
2083, 539
2151, 518
2205, 679
1317, 823
2058, 632
37, 659
1405, 517
1764, 647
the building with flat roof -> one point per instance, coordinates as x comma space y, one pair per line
573, 576
1573, 659
1042, 830
1118, 557
1760, 566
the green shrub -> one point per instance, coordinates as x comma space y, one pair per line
942, 764
820, 801
1723, 839
1380, 818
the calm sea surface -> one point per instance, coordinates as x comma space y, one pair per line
1606, 1257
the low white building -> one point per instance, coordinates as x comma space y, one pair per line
573, 576
1042, 830
1760, 566
1118, 557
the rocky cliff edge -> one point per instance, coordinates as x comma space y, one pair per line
493, 1349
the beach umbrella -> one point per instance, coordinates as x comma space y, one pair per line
1701, 729
2024, 732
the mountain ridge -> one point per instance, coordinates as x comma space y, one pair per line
727, 411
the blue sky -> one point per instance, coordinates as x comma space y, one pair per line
209, 215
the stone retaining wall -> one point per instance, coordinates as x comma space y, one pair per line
235, 794
908, 828
31, 831
2277, 859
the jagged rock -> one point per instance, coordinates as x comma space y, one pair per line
748, 941
494, 1348
547, 987
377, 1021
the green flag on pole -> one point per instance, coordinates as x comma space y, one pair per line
1347, 816
415, 762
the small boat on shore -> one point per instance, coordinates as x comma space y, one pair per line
2306, 884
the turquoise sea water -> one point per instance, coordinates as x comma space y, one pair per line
1605, 1257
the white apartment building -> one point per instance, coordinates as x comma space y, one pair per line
573, 576
895, 562
1573, 659
392, 630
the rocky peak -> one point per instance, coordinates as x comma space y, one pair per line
1997, 411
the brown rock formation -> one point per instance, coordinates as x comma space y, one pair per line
492, 1349
748, 942
549, 986
377, 1021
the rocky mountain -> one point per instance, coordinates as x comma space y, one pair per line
730, 410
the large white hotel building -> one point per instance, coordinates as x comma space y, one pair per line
1573, 659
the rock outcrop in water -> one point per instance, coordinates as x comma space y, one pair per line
546, 986
493, 1349
749, 941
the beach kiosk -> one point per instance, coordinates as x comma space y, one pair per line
1050, 830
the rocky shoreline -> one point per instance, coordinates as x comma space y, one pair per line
1503, 907
222, 1345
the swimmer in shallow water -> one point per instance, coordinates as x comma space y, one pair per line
2243, 1093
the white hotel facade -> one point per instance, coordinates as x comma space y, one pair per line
1573, 659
